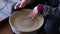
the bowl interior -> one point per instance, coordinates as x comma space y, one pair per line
20, 21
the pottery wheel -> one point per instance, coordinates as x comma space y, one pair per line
22, 23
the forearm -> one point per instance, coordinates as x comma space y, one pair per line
48, 10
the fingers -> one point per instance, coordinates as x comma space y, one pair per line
20, 4
31, 15
23, 4
17, 5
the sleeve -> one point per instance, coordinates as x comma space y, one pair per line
52, 3
40, 7
48, 10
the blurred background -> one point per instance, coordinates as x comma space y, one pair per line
5, 8
5, 12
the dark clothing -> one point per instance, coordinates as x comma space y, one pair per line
51, 26
52, 3
51, 12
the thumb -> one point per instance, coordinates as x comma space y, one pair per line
23, 4
17, 5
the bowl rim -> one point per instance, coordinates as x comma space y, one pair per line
22, 30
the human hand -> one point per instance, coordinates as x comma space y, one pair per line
21, 4
33, 13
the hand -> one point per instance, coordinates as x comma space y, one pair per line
22, 3
33, 13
